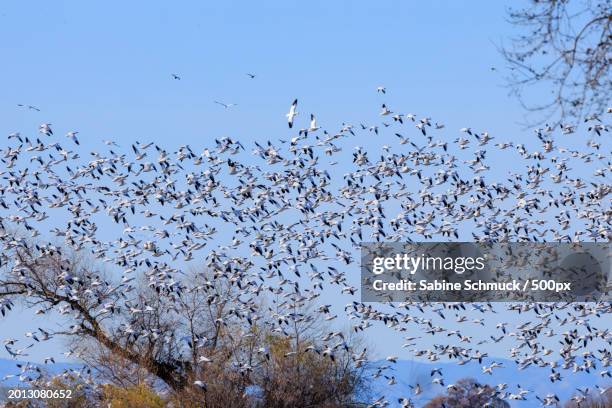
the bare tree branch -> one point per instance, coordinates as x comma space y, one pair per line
567, 48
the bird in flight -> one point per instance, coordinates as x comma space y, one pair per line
72, 135
313, 126
45, 128
292, 113
226, 105
176, 76
385, 110
252, 76
381, 89
31, 107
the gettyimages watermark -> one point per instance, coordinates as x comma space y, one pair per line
477, 272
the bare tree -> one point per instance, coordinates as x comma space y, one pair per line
567, 50
468, 393
200, 337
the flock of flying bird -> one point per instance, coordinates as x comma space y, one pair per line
288, 220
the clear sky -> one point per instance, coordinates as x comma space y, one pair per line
104, 69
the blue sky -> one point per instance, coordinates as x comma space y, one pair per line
104, 69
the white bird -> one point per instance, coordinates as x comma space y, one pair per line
72, 135
417, 389
385, 111
292, 113
226, 105
204, 359
45, 128
200, 384
312, 128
